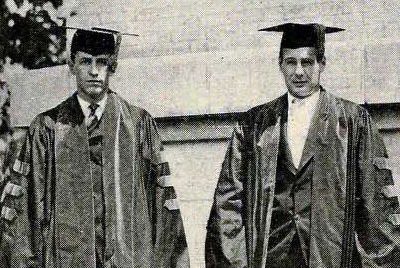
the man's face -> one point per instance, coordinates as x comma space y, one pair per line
301, 70
92, 75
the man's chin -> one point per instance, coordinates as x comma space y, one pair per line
95, 90
301, 92
95, 93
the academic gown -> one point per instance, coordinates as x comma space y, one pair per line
355, 220
52, 222
10, 144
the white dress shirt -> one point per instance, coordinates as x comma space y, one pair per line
86, 110
300, 113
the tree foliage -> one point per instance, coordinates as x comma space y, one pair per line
31, 38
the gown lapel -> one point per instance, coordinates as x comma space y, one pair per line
267, 131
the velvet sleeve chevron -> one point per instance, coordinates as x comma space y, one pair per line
169, 238
22, 210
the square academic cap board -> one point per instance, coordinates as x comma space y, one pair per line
297, 35
96, 40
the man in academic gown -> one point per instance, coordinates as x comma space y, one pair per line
9, 144
91, 186
306, 180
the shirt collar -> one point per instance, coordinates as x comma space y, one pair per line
310, 102
85, 106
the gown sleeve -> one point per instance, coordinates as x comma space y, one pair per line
170, 246
377, 211
225, 240
23, 199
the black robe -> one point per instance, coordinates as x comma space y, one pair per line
54, 221
355, 216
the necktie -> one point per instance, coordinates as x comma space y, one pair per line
92, 119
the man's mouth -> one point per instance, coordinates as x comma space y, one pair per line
97, 82
299, 83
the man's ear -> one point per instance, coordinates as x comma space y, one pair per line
71, 65
112, 67
280, 64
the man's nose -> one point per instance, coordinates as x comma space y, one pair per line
299, 71
94, 70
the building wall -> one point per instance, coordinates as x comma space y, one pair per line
200, 57
195, 167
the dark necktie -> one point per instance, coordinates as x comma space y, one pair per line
92, 118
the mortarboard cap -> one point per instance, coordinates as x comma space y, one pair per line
92, 42
297, 35
96, 41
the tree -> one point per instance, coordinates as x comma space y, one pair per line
32, 39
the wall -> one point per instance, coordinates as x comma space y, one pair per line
200, 57
195, 168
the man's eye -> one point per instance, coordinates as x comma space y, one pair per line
290, 62
85, 61
307, 63
102, 61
